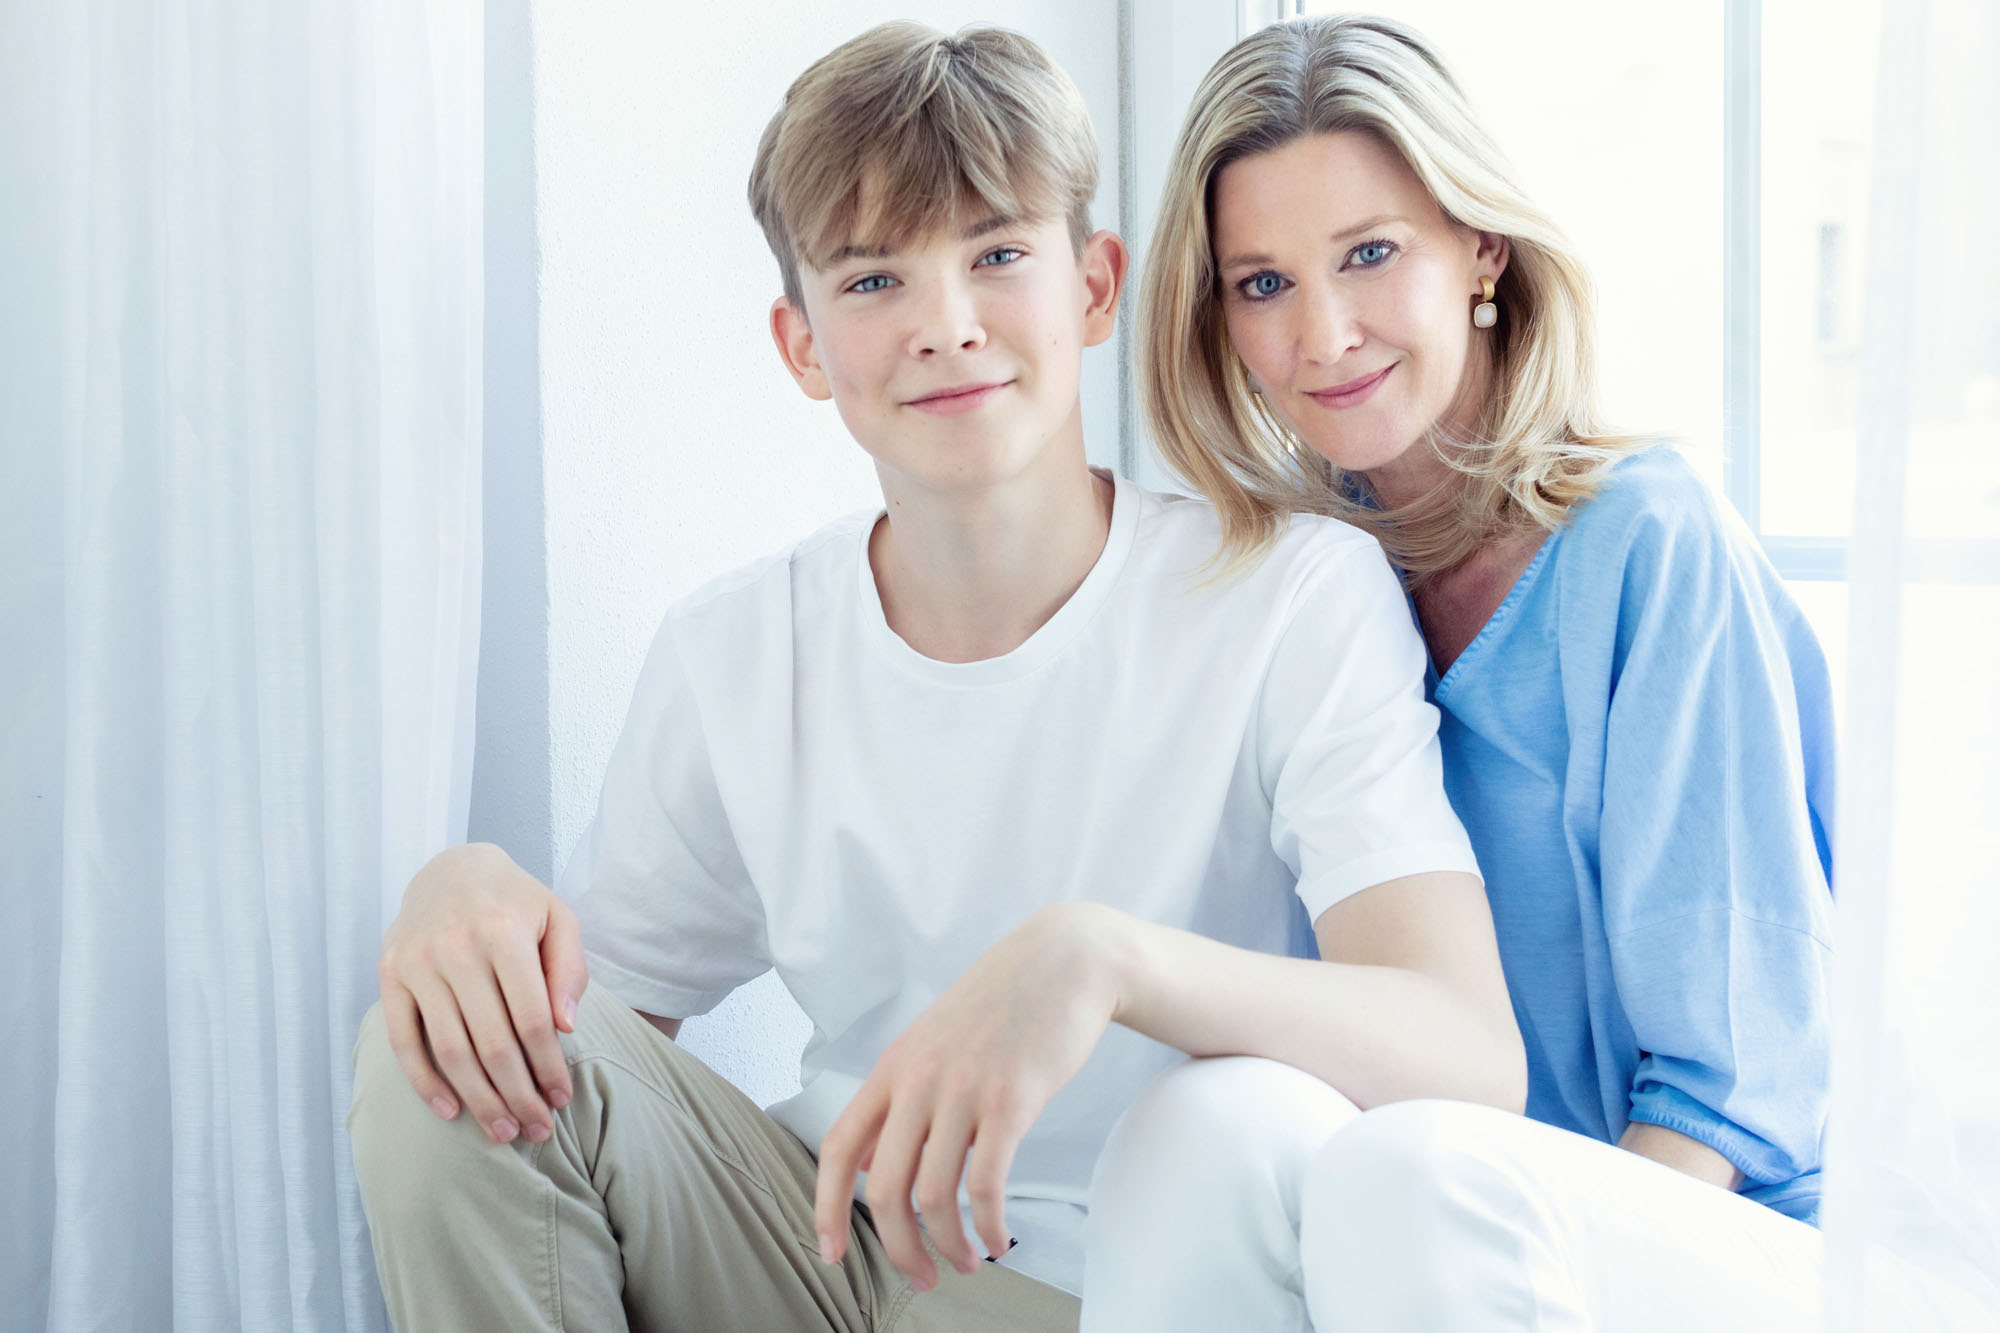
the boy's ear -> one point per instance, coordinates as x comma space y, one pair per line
1104, 263
796, 347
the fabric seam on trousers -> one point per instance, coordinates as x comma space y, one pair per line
1521, 1209
552, 1246
723, 1153
894, 1314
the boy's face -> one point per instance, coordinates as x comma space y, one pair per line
954, 359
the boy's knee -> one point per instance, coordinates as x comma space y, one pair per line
407, 1160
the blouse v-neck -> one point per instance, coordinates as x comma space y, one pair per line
1496, 624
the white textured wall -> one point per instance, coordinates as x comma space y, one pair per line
674, 447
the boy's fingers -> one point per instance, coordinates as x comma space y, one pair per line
938, 1175
852, 1135
986, 1183
406, 1039
890, 1181
563, 967
451, 1051
519, 975
498, 1050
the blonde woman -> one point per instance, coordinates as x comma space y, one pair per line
1351, 309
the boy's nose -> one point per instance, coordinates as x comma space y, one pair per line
949, 322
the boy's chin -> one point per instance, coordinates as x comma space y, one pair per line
966, 463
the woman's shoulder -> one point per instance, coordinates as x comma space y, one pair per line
1653, 484
1653, 507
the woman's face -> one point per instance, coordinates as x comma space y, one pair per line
1349, 295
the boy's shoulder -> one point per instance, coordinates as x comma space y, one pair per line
1180, 529
816, 564
1176, 546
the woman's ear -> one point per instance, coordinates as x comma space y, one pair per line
1490, 258
794, 337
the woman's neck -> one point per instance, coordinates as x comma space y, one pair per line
1420, 470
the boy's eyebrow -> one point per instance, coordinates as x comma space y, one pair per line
855, 251
851, 251
1366, 224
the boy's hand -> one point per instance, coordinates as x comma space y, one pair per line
484, 964
971, 1074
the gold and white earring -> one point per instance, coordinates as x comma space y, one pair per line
1485, 314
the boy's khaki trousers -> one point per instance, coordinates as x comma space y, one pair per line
666, 1200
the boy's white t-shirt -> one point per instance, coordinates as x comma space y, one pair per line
797, 788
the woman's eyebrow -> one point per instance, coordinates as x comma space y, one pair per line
1366, 224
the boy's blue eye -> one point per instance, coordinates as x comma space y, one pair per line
1006, 254
1370, 253
874, 282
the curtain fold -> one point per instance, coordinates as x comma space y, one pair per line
1913, 1153
242, 540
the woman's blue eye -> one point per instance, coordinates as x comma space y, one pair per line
874, 282
1262, 285
1006, 254
1371, 253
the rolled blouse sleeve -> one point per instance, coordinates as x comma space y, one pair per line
1714, 849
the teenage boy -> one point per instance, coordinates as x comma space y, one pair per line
1019, 806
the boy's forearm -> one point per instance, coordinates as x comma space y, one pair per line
671, 1027
1377, 1034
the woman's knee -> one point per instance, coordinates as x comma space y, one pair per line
1408, 1158
1211, 1125
1413, 1217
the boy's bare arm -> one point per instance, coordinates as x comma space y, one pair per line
670, 1026
1408, 1002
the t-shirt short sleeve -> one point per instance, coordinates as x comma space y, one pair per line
671, 921
1347, 743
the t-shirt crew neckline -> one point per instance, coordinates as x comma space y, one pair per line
1040, 647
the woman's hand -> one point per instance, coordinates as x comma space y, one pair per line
484, 963
970, 1076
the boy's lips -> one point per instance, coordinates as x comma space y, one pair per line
1353, 392
958, 398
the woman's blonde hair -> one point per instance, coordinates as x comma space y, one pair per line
1537, 449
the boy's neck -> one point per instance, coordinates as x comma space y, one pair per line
968, 575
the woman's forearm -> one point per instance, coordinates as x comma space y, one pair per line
1377, 1034
1689, 1156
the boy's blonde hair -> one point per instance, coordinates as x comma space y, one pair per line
901, 128
1538, 449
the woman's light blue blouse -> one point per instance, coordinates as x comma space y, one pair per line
1640, 743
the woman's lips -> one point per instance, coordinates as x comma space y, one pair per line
950, 402
1354, 392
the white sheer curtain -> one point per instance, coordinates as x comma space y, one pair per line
1913, 1166
240, 322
